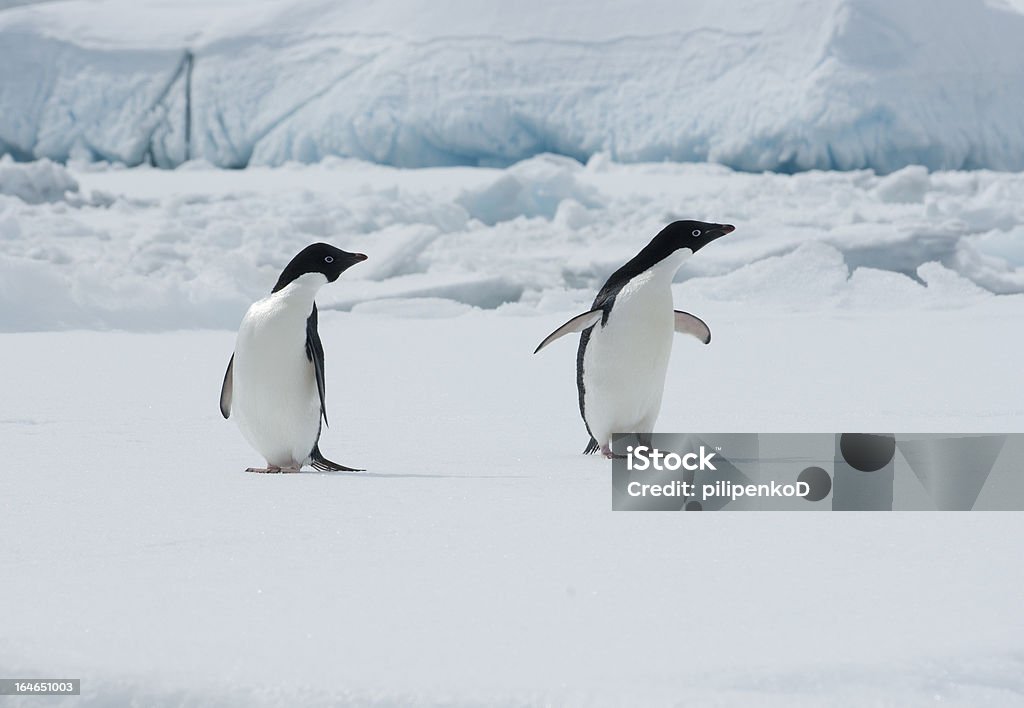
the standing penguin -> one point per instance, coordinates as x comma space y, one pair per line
275, 379
626, 336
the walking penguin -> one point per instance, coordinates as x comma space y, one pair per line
626, 336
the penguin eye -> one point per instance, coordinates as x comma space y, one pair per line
328, 259
696, 233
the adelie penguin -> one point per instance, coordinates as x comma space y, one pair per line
626, 336
274, 385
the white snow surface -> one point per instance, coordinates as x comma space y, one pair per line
477, 562
785, 86
99, 247
32, 183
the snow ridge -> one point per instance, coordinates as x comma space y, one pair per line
96, 246
842, 84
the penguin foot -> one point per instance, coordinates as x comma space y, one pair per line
273, 469
609, 455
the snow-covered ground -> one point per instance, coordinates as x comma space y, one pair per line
784, 85
478, 560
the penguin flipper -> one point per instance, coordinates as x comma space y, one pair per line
315, 353
576, 324
591, 447
692, 325
318, 462
226, 388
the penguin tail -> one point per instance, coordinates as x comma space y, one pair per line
318, 462
591, 447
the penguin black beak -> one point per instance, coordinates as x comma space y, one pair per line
722, 229
349, 260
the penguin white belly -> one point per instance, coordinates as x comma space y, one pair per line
626, 360
276, 403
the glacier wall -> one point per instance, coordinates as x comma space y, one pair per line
784, 86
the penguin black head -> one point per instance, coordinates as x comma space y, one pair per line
687, 237
693, 235
320, 258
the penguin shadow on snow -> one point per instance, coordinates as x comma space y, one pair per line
363, 474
